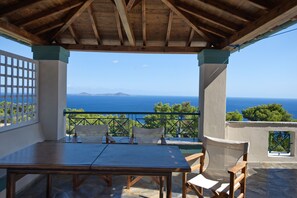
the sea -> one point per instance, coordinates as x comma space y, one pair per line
146, 103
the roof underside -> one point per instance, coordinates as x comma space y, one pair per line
152, 26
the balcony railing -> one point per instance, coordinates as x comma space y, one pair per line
121, 123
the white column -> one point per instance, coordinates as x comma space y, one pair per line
212, 92
52, 89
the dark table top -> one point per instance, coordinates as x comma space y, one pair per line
127, 157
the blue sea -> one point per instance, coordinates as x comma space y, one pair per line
146, 103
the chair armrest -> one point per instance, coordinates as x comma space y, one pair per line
110, 139
239, 166
194, 156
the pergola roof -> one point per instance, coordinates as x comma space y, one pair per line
153, 26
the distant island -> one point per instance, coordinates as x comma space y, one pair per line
105, 94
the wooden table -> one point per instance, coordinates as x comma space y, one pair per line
123, 159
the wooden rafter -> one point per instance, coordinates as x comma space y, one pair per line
262, 4
143, 21
170, 18
73, 34
277, 16
121, 7
239, 14
192, 23
16, 7
140, 49
209, 17
47, 27
132, 3
93, 23
20, 34
48, 13
191, 35
72, 17
119, 28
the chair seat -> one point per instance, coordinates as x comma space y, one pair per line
206, 181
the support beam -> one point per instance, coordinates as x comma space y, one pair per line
190, 38
47, 27
93, 23
48, 13
121, 7
171, 5
262, 4
17, 6
20, 34
132, 3
277, 16
73, 34
170, 18
119, 28
143, 21
72, 17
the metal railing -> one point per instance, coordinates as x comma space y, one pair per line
121, 123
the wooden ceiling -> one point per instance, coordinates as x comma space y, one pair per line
151, 26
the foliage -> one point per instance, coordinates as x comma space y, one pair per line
174, 124
270, 112
234, 116
279, 141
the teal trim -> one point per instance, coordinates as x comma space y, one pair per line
45, 52
2, 183
213, 56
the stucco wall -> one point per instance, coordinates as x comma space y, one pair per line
257, 134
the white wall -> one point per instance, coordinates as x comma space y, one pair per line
257, 134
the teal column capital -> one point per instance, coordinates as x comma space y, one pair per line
213, 56
49, 52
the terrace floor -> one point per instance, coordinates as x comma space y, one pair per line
264, 180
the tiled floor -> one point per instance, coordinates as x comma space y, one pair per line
265, 180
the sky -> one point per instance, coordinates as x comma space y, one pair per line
265, 69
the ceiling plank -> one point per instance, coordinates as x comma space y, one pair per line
171, 5
118, 23
209, 17
239, 14
277, 16
93, 23
17, 6
72, 32
191, 35
170, 18
48, 13
262, 4
20, 34
121, 7
135, 49
132, 3
72, 17
143, 21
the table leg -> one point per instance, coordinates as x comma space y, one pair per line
10, 184
49, 186
161, 186
168, 185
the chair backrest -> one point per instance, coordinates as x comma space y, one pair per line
91, 133
148, 136
223, 154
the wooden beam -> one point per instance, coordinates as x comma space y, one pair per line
20, 34
17, 6
191, 35
277, 16
132, 3
239, 14
170, 18
121, 7
47, 27
262, 4
93, 23
72, 32
134, 49
119, 28
72, 17
143, 23
209, 17
48, 13
192, 23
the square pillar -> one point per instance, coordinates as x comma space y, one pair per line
212, 92
52, 89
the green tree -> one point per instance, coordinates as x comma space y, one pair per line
270, 112
234, 116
